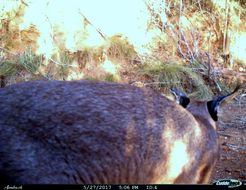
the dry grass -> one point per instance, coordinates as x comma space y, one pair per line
193, 30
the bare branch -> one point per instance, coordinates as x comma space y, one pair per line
97, 29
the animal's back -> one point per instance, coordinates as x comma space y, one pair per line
94, 132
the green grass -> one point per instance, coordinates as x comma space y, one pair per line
7, 68
166, 75
30, 61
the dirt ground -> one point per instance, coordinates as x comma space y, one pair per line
232, 139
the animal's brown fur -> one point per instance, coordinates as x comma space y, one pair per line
98, 132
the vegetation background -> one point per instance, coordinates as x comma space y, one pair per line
197, 46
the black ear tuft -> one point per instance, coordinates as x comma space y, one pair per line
214, 104
211, 108
181, 98
184, 101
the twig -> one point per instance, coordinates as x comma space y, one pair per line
187, 45
209, 67
62, 64
172, 32
226, 39
97, 29
195, 50
23, 2
218, 86
199, 4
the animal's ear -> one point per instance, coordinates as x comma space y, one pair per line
180, 97
214, 104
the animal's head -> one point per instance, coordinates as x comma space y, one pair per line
204, 111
